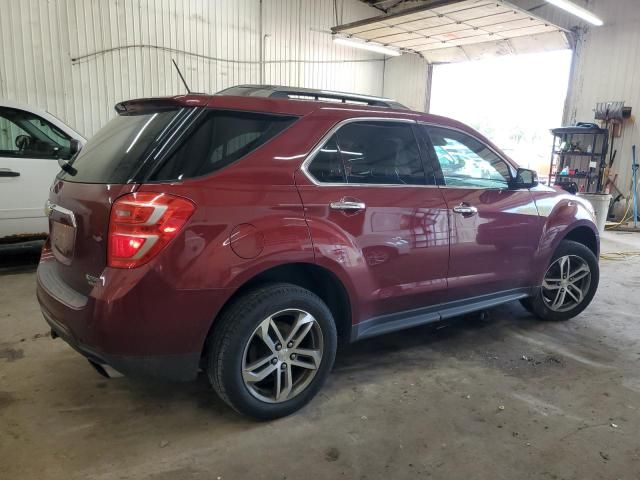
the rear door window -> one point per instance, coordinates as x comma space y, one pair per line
220, 139
327, 166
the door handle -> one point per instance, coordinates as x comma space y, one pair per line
5, 172
465, 209
347, 205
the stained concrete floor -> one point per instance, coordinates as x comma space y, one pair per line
506, 397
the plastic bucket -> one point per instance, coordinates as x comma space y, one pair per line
600, 202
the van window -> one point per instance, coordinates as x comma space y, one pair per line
24, 134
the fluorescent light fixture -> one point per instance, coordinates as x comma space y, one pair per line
372, 47
577, 11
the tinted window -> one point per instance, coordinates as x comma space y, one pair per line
114, 154
220, 139
24, 134
327, 166
370, 153
466, 162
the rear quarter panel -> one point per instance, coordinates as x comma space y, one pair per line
249, 218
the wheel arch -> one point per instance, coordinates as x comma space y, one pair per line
586, 236
314, 278
556, 230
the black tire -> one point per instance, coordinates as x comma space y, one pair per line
526, 303
536, 303
234, 329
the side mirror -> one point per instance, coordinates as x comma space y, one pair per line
525, 178
74, 147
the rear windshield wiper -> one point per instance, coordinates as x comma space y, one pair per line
66, 166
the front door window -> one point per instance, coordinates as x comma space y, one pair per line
26, 135
466, 162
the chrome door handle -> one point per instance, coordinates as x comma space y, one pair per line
5, 172
345, 205
465, 209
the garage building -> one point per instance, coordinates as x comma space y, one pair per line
486, 392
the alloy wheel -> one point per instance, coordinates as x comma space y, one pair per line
566, 283
282, 356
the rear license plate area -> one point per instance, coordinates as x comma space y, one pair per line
63, 238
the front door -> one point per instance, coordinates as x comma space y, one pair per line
377, 217
29, 149
494, 229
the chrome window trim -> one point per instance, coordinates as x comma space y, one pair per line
512, 168
332, 131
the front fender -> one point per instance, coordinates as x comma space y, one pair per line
562, 213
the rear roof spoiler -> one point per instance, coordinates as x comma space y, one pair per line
296, 93
142, 105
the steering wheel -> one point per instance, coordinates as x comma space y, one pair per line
23, 142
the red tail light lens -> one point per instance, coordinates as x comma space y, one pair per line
142, 224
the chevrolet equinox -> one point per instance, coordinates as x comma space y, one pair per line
247, 233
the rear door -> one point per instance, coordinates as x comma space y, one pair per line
30, 147
376, 216
495, 230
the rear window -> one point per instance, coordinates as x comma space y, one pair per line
129, 146
221, 138
114, 154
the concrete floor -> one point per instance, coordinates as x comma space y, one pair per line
506, 397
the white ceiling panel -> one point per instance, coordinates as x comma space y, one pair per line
452, 25
508, 16
398, 38
513, 25
410, 44
460, 6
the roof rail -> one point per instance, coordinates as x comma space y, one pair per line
296, 93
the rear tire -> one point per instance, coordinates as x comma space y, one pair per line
569, 284
526, 304
271, 350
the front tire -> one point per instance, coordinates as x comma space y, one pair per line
271, 350
569, 284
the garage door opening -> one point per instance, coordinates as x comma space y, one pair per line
513, 100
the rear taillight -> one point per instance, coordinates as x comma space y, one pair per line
142, 224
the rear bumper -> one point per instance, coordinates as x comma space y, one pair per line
134, 323
178, 368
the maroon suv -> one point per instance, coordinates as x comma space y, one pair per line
247, 233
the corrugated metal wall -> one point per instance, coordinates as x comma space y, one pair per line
77, 58
300, 30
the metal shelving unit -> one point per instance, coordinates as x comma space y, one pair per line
583, 151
